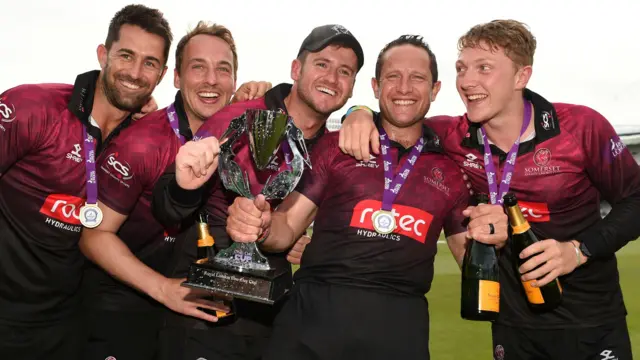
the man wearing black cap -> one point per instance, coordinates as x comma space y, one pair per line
323, 74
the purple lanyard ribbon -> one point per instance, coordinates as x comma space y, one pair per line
509, 165
90, 163
173, 121
392, 186
286, 149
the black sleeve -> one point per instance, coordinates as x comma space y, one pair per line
172, 205
616, 174
614, 231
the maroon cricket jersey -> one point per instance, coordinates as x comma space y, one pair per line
575, 161
127, 172
346, 249
42, 187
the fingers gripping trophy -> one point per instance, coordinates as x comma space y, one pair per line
241, 270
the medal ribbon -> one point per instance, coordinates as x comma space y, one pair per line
173, 121
392, 185
90, 164
287, 153
509, 165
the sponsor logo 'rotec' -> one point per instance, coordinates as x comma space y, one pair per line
410, 221
535, 212
65, 208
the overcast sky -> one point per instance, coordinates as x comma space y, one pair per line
587, 50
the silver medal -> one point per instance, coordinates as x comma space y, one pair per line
383, 221
90, 215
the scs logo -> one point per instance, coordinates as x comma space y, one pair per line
7, 112
535, 212
64, 208
410, 221
124, 170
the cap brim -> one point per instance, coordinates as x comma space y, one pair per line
346, 39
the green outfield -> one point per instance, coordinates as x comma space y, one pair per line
455, 339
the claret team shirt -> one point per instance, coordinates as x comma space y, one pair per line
347, 250
42, 187
574, 161
127, 172
218, 197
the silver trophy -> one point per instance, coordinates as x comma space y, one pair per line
241, 270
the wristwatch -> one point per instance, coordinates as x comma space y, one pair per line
584, 250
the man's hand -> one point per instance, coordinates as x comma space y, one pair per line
249, 220
557, 258
483, 217
148, 108
295, 254
358, 133
196, 161
187, 301
251, 90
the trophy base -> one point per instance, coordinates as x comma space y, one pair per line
264, 286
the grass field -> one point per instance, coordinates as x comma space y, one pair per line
455, 339
449, 331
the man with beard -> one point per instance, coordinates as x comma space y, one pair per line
557, 144
374, 240
124, 291
324, 74
50, 136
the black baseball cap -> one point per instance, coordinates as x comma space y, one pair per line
325, 35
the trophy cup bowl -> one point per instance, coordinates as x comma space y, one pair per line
266, 130
241, 270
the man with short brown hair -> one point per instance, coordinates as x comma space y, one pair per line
50, 137
204, 28
374, 240
131, 278
324, 73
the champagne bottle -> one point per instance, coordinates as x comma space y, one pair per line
480, 286
205, 253
542, 298
206, 250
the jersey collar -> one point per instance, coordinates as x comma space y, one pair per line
81, 104
545, 121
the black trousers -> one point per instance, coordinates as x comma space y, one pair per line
338, 322
121, 335
188, 339
55, 341
606, 342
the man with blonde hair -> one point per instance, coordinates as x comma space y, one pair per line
562, 160
130, 280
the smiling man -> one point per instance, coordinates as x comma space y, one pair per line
130, 280
360, 290
324, 74
49, 140
564, 159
